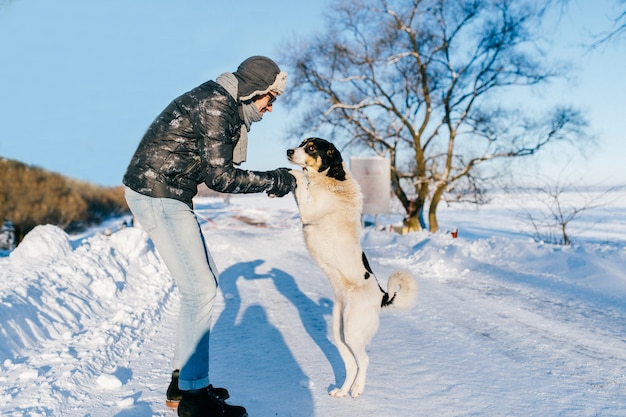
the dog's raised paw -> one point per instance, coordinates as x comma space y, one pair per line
297, 174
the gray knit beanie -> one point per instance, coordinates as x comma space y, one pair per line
257, 76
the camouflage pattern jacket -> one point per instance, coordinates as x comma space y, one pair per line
191, 142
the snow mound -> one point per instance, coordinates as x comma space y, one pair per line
109, 382
42, 244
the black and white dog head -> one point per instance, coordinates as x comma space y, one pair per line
319, 155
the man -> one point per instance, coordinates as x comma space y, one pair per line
200, 137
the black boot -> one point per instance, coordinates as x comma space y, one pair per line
174, 394
205, 403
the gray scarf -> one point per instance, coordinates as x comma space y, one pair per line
250, 115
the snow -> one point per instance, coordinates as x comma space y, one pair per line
504, 326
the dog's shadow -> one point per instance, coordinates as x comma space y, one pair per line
312, 314
262, 345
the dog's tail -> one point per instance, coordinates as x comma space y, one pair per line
401, 292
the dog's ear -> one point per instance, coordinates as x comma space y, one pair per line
334, 157
335, 161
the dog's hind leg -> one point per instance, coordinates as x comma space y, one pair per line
362, 364
345, 352
362, 322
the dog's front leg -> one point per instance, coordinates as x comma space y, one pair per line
304, 199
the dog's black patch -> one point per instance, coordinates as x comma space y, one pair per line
386, 300
329, 155
366, 264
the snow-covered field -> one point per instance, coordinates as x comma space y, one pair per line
505, 325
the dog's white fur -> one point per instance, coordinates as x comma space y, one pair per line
330, 210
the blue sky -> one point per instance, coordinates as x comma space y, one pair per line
80, 81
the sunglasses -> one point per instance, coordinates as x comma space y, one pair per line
272, 99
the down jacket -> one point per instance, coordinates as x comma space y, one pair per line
191, 142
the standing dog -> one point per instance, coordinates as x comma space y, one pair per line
330, 204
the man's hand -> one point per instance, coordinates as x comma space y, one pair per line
284, 183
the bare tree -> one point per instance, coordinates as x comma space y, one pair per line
431, 84
550, 208
618, 28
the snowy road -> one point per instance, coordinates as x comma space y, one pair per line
504, 326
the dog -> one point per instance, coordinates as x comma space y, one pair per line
330, 204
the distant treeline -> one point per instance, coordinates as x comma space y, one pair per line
30, 196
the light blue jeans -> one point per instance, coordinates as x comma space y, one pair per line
176, 234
